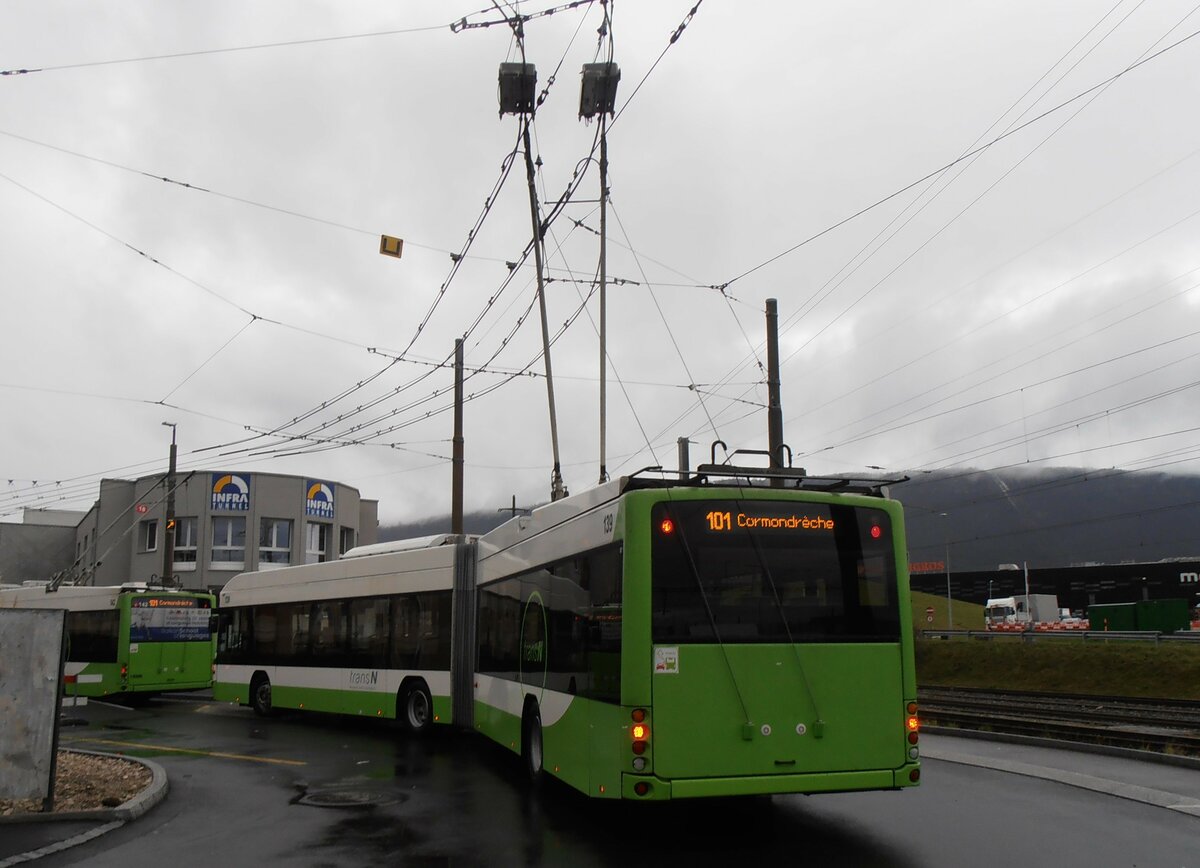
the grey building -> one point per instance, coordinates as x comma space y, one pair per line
40, 545
226, 522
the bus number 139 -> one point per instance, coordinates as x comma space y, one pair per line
719, 521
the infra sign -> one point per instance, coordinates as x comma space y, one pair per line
318, 499
230, 492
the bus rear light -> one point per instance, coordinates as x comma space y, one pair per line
639, 747
912, 724
124, 671
914, 775
667, 527
640, 732
638, 715
639, 764
641, 788
913, 753
912, 708
913, 737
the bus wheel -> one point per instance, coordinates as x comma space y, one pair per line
415, 709
260, 696
531, 741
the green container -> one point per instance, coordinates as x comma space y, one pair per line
1163, 616
1113, 616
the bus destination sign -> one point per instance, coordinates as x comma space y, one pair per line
168, 619
727, 520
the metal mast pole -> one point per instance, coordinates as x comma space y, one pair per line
774, 407
556, 484
456, 494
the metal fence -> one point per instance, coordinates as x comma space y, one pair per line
1067, 635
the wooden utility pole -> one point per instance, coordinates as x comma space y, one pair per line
168, 568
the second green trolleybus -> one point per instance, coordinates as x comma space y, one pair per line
128, 640
649, 639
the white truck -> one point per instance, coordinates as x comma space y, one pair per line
1023, 610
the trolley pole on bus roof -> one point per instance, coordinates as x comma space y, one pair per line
603, 292
774, 407
557, 491
518, 96
456, 484
598, 96
168, 568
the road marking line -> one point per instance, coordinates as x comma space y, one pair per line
211, 753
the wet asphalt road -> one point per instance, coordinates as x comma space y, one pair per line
311, 790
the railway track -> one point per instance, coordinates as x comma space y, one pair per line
1163, 726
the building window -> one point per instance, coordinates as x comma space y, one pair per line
345, 540
316, 547
229, 542
275, 543
148, 535
185, 543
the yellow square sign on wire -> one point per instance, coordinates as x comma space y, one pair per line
390, 246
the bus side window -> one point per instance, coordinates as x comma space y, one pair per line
329, 639
369, 631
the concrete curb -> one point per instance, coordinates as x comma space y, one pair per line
1148, 756
1147, 796
109, 818
58, 847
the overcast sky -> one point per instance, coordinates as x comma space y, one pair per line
1035, 303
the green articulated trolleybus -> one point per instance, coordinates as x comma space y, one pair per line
128, 640
649, 639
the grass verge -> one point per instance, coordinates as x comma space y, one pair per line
1116, 668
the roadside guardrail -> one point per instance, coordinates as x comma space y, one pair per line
1066, 635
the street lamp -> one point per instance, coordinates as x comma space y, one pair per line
949, 599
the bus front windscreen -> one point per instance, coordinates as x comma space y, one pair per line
753, 571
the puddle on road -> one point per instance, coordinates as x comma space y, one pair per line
369, 831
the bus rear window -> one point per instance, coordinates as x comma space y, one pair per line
752, 571
92, 636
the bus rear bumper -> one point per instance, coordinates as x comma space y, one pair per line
820, 782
